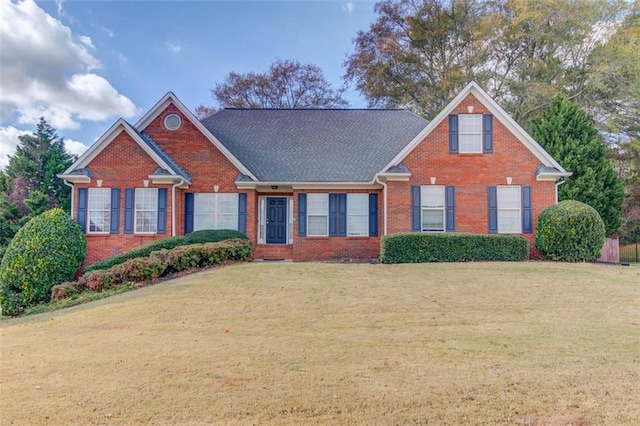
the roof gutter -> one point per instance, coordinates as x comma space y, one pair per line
560, 182
173, 205
384, 202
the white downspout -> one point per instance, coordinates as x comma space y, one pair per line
384, 202
66, 182
173, 207
560, 182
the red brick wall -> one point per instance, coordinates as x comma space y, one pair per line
471, 174
324, 248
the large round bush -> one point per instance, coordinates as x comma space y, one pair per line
48, 250
571, 231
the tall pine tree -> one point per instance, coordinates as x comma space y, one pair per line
569, 134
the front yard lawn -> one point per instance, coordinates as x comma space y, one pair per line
305, 343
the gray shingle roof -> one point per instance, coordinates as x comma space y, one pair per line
314, 145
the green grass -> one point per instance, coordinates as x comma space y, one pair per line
281, 343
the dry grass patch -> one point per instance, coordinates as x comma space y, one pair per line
260, 343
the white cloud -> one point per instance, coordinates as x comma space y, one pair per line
74, 147
174, 47
348, 6
8, 143
46, 70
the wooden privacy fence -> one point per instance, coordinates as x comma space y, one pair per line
610, 252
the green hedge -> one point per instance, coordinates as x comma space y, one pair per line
570, 231
161, 263
198, 237
450, 247
47, 251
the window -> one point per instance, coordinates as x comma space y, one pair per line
470, 133
509, 204
172, 121
357, 214
146, 210
215, 211
99, 210
433, 212
318, 214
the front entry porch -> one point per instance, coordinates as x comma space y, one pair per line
275, 228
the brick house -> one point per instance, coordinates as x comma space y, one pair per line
311, 184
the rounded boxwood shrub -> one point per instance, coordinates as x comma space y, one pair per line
570, 231
48, 250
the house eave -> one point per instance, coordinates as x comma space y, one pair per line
284, 186
169, 179
552, 177
74, 178
394, 177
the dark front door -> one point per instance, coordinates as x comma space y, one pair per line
276, 220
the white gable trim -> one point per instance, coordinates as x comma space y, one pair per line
108, 137
170, 98
497, 111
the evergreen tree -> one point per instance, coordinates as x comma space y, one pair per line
569, 134
28, 185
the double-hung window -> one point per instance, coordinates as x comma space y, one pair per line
146, 210
470, 133
318, 214
433, 208
215, 211
358, 215
509, 209
99, 206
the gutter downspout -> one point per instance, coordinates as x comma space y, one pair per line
384, 196
173, 206
66, 182
560, 182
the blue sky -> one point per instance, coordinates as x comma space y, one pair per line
84, 64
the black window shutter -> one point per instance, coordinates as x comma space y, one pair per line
189, 207
162, 210
333, 214
81, 210
527, 220
128, 210
493, 210
453, 134
487, 133
450, 202
416, 226
342, 214
114, 227
373, 215
302, 215
242, 212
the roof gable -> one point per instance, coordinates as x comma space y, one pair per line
162, 159
170, 98
474, 89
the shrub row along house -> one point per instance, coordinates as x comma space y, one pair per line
311, 184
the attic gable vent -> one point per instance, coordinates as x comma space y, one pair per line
172, 121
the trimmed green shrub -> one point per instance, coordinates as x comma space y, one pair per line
449, 247
198, 237
48, 250
570, 231
161, 263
